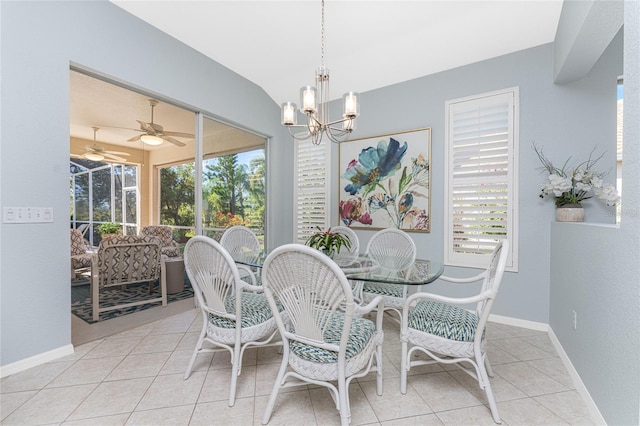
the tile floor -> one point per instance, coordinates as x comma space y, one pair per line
135, 378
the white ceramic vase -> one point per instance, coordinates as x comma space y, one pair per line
570, 213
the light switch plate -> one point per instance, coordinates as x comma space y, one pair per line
27, 215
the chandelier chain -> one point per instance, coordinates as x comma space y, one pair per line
322, 38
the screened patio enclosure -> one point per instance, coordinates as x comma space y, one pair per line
198, 185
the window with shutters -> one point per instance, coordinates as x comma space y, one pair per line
311, 189
481, 140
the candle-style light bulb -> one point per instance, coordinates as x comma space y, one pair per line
308, 99
351, 104
289, 116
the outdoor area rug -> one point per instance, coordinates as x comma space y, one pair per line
81, 299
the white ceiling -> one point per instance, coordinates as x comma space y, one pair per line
369, 44
276, 44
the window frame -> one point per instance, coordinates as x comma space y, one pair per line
453, 257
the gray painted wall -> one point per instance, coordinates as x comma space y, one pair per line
567, 120
39, 42
596, 272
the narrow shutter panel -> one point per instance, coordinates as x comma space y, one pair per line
480, 188
311, 189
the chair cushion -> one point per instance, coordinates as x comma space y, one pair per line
171, 251
81, 260
443, 320
78, 243
254, 310
164, 232
393, 290
361, 331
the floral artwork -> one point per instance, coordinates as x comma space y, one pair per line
384, 181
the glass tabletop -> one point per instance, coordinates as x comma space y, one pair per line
363, 268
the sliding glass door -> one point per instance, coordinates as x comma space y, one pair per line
233, 179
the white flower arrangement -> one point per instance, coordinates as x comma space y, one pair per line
574, 186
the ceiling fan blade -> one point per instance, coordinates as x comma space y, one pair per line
134, 139
173, 141
114, 157
147, 127
180, 134
123, 128
116, 153
75, 156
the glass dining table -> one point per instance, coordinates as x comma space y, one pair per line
361, 267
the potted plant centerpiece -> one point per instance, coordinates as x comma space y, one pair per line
571, 186
108, 230
328, 242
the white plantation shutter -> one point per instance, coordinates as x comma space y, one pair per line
311, 189
481, 187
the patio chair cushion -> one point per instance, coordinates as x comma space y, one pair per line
81, 261
443, 320
79, 256
254, 310
169, 247
361, 331
78, 244
392, 290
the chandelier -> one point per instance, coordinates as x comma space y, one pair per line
314, 103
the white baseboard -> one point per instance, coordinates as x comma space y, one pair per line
25, 364
532, 325
577, 381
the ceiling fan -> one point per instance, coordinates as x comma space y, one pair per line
154, 134
97, 153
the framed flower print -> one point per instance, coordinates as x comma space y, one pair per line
385, 181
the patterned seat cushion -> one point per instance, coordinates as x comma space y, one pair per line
81, 260
171, 251
254, 310
360, 334
392, 290
169, 247
78, 244
446, 321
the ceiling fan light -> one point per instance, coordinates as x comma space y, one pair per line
151, 140
94, 156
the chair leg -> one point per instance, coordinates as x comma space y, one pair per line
484, 380
343, 397
187, 373
235, 372
404, 367
379, 383
276, 388
487, 364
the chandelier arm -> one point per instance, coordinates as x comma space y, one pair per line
333, 138
338, 131
297, 137
342, 120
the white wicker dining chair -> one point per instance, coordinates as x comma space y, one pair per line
324, 338
351, 235
394, 249
448, 333
237, 238
232, 319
